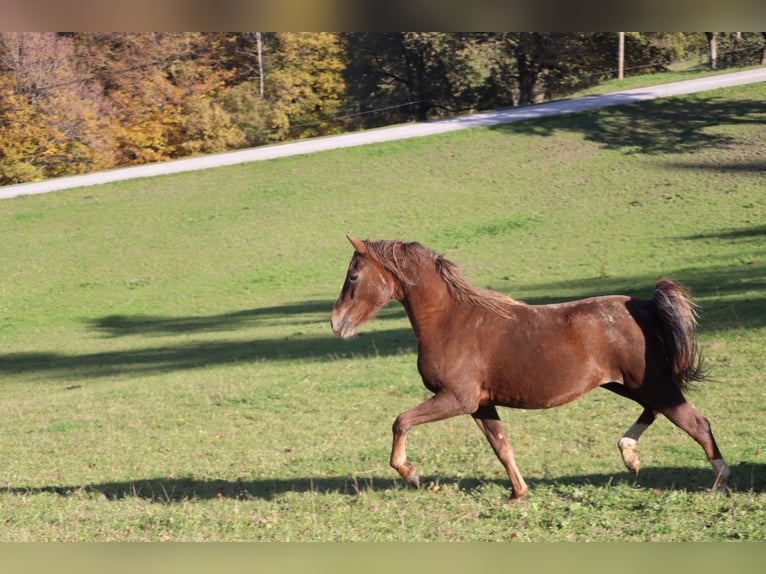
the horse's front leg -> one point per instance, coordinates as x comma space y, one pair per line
489, 423
441, 406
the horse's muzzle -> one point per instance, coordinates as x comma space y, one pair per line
341, 327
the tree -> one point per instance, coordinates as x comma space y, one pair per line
735, 49
713, 48
421, 76
304, 84
75, 102
549, 65
418, 75
164, 88
52, 114
25, 140
244, 53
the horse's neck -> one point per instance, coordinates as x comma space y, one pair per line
427, 302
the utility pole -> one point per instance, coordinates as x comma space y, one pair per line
621, 55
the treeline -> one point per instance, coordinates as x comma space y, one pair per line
79, 102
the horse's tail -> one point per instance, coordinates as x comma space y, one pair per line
678, 317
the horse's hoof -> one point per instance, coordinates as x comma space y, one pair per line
722, 476
721, 488
629, 451
412, 477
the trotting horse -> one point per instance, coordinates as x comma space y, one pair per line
478, 349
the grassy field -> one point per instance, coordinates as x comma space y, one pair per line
691, 69
168, 371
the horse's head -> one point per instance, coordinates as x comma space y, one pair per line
368, 286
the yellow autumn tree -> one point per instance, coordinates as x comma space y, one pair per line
164, 88
51, 117
304, 85
25, 138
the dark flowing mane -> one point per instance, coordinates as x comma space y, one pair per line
404, 261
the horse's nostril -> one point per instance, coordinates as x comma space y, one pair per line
335, 326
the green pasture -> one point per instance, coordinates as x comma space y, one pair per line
168, 372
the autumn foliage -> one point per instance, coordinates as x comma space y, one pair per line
79, 102
73, 103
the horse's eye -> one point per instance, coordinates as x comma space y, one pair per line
353, 277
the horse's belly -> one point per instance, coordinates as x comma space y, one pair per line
522, 398
543, 400
550, 384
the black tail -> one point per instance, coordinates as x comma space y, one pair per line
678, 314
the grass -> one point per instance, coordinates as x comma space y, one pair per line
168, 371
691, 69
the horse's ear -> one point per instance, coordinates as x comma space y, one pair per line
358, 244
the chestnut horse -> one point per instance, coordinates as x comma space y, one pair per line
478, 349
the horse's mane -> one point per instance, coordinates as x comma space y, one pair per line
398, 257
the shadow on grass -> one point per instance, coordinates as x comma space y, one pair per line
204, 354
665, 126
747, 477
298, 313
740, 312
733, 296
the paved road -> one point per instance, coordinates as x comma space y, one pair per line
390, 133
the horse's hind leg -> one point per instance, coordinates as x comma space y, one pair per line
628, 444
686, 417
489, 422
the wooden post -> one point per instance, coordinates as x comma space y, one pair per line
621, 55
